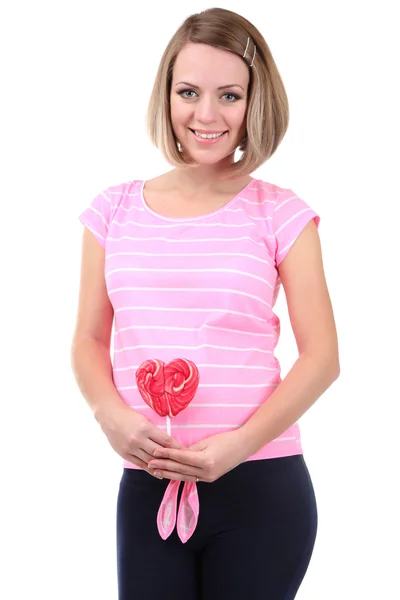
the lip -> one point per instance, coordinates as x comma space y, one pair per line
207, 131
207, 141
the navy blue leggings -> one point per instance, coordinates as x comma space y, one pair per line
254, 538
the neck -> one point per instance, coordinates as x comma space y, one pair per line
207, 178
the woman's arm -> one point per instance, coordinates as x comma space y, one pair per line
130, 434
313, 324
90, 351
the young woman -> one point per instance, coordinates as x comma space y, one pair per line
217, 502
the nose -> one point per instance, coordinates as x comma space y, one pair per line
206, 110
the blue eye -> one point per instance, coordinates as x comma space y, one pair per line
233, 96
189, 94
184, 93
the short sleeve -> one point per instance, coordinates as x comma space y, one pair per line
97, 216
291, 214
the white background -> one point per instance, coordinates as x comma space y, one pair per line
76, 77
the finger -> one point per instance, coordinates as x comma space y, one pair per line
134, 460
163, 439
144, 456
175, 476
148, 449
174, 467
139, 463
187, 457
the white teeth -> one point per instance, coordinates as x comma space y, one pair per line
209, 135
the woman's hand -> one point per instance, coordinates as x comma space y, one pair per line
207, 460
133, 437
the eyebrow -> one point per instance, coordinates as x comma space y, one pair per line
221, 87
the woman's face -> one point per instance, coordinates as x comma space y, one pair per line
208, 102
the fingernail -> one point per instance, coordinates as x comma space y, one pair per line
157, 453
158, 474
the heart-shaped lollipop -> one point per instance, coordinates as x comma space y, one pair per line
167, 388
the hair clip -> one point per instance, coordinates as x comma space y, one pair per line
255, 50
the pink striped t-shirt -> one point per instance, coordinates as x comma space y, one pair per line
201, 288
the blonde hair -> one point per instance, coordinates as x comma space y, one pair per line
267, 114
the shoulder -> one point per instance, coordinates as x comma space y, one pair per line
260, 200
286, 215
117, 195
100, 212
115, 192
265, 194
270, 193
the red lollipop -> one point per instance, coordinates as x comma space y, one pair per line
167, 388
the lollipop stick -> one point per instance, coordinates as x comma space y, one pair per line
168, 426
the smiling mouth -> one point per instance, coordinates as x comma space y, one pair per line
208, 136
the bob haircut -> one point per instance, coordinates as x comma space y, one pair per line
267, 113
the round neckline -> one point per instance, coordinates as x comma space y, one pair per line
183, 219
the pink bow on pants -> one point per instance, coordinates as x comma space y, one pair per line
188, 512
